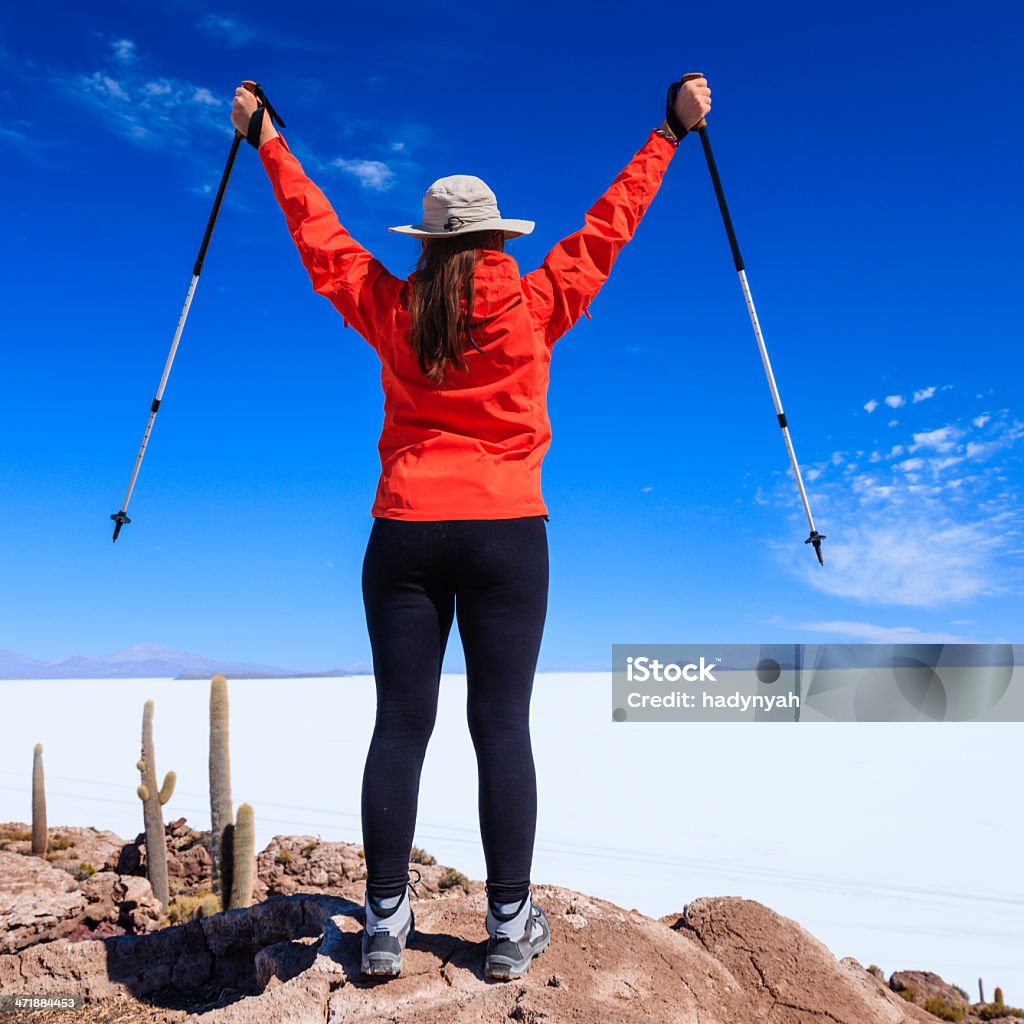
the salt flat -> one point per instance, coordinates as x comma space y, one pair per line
896, 844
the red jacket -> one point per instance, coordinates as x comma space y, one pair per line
472, 448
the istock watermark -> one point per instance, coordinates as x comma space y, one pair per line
818, 682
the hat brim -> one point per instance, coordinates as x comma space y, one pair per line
512, 228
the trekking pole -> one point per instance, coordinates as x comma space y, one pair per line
701, 127
121, 518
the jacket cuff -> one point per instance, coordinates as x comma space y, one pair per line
667, 135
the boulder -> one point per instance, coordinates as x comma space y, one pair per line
38, 902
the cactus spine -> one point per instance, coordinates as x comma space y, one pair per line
243, 870
39, 834
220, 793
152, 810
998, 996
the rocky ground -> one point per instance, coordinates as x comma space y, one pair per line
293, 957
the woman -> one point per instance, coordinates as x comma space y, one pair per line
459, 525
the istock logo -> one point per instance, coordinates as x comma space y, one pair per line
643, 669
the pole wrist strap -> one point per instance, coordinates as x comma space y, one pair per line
678, 129
256, 121
255, 127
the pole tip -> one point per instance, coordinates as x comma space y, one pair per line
816, 539
119, 519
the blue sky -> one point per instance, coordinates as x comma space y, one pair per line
871, 157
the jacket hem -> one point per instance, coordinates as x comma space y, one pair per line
438, 515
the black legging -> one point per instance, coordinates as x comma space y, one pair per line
493, 576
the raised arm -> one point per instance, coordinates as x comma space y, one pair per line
358, 286
561, 288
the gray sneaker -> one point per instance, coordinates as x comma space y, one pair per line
384, 938
514, 943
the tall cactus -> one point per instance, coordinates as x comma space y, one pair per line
39, 833
998, 996
220, 792
243, 870
152, 810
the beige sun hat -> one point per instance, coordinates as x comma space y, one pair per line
458, 204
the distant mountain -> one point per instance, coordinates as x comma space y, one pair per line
141, 661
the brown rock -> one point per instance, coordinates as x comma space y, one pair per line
293, 864
296, 959
79, 851
126, 901
919, 986
38, 902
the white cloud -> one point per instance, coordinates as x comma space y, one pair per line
914, 562
942, 439
647, 490
372, 174
397, 147
203, 95
980, 421
893, 423
104, 86
923, 394
894, 401
936, 529
869, 632
980, 450
871, 406
148, 111
124, 51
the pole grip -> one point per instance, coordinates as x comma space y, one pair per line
702, 123
251, 86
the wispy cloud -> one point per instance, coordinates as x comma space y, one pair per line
227, 30
869, 632
234, 32
147, 109
895, 401
124, 51
934, 519
37, 148
923, 394
871, 406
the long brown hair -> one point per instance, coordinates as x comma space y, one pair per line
444, 276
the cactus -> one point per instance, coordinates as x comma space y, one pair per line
39, 834
152, 813
998, 997
220, 792
243, 870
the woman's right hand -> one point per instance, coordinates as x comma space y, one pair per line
242, 108
693, 101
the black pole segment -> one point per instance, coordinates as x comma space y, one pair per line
720, 194
783, 422
198, 268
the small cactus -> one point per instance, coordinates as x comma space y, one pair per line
243, 870
998, 997
39, 835
220, 791
152, 810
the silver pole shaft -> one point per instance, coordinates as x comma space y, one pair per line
160, 389
775, 394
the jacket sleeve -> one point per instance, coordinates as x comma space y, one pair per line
560, 290
358, 286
